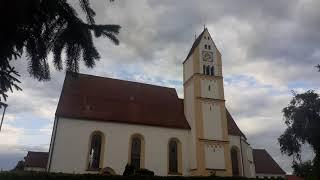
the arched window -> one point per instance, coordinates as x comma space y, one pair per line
208, 70
212, 71
137, 151
235, 162
95, 151
204, 69
205, 46
174, 149
209, 47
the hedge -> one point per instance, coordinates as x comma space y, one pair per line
60, 176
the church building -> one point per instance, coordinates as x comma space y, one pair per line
103, 122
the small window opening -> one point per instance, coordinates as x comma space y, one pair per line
95, 151
205, 46
212, 71
209, 47
208, 70
204, 69
209, 89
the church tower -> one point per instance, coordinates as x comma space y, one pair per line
204, 107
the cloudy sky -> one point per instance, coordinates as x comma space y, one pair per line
269, 48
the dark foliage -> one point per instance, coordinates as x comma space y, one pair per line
40, 27
129, 170
60, 176
302, 169
302, 117
19, 166
144, 172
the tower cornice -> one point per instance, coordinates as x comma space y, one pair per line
203, 76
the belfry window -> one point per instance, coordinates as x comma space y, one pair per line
208, 70
209, 47
95, 151
205, 46
212, 71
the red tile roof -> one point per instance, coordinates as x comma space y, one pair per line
233, 128
265, 164
36, 159
106, 99
113, 100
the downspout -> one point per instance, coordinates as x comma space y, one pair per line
241, 157
53, 138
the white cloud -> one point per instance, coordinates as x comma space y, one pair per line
267, 49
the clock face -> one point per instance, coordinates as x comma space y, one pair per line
207, 56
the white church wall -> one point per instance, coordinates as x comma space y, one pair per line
212, 120
234, 141
214, 157
52, 139
251, 169
188, 68
214, 50
36, 169
260, 175
189, 103
72, 143
208, 42
210, 89
246, 158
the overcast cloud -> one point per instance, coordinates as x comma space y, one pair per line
268, 49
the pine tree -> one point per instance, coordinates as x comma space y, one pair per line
38, 27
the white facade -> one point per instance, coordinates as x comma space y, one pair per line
259, 175
246, 164
71, 146
36, 169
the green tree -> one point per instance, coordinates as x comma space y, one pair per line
40, 27
303, 169
19, 166
302, 118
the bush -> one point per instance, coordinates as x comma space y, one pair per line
129, 170
144, 172
61, 176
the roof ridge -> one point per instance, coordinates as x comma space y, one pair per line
129, 81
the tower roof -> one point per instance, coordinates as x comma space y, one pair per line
195, 43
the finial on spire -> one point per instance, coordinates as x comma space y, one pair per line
204, 26
195, 36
